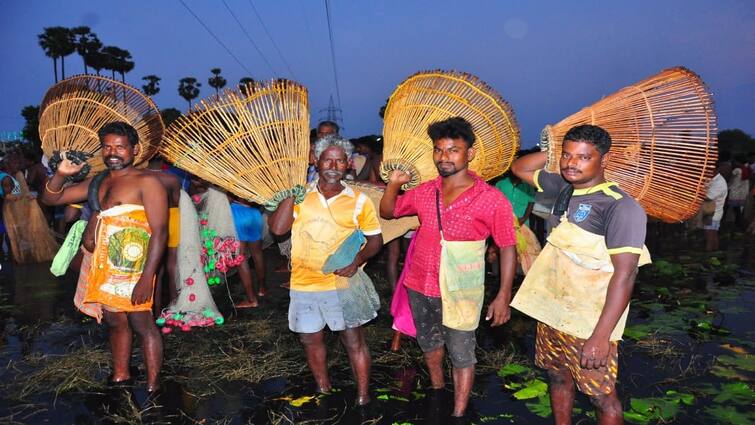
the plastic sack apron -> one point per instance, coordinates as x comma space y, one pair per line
462, 279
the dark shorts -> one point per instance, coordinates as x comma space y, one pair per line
556, 350
432, 335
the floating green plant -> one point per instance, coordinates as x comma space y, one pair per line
532, 389
512, 369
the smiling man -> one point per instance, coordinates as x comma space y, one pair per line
458, 211
130, 239
579, 287
332, 215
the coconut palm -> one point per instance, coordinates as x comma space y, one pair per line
87, 44
243, 82
216, 81
153, 85
188, 88
57, 42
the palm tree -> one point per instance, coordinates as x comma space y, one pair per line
243, 83
110, 55
55, 42
87, 44
153, 85
125, 64
216, 81
67, 46
97, 60
188, 88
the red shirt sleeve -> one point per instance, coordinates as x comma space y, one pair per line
406, 204
502, 226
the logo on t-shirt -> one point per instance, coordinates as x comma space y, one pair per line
582, 212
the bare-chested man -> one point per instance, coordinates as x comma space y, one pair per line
126, 195
172, 185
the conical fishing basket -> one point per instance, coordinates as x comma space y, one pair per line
428, 97
74, 109
392, 228
252, 142
664, 144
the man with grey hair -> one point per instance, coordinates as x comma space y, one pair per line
333, 221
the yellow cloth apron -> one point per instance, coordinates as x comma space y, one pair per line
462, 279
567, 285
121, 244
462, 283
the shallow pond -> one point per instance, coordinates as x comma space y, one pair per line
686, 358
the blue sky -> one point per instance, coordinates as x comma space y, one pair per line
547, 58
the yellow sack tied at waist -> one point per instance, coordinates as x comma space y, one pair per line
567, 284
462, 283
122, 240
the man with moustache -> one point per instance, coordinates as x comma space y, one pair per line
457, 208
129, 244
579, 287
324, 221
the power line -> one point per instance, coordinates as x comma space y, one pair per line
216, 37
264, 27
249, 38
333, 52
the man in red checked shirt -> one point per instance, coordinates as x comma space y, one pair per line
457, 208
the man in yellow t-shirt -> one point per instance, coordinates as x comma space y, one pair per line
327, 217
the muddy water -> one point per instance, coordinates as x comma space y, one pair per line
686, 358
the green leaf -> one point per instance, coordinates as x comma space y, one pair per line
685, 398
513, 369
737, 393
637, 331
532, 389
542, 408
383, 397
744, 362
636, 418
729, 415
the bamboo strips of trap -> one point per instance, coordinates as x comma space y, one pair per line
428, 97
664, 135
252, 142
74, 109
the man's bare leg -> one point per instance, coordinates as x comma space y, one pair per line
463, 380
434, 360
255, 248
359, 357
120, 344
157, 294
608, 408
314, 348
152, 345
562, 395
245, 274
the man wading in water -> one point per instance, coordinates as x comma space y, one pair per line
130, 242
579, 286
458, 211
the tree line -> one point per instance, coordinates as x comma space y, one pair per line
60, 42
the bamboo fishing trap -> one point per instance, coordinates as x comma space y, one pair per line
74, 109
428, 97
664, 141
253, 142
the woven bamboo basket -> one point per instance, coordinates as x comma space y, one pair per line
390, 229
664, 147
253, 142
74, 109
428, 97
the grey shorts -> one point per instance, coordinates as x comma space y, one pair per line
431, 334
309, 312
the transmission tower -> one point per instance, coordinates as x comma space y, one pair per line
332, 113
